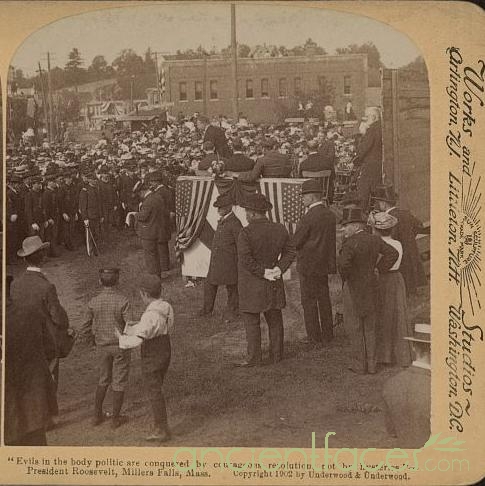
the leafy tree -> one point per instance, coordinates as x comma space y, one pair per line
149, 61
128, 63
369, 48
74, 74
99, 66
75, 62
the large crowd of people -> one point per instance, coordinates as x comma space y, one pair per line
61, 194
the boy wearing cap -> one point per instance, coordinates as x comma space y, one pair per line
360, 255
407, 395
107, 313
152, 333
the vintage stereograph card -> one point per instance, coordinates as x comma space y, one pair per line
242, 242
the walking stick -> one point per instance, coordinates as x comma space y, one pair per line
95, 246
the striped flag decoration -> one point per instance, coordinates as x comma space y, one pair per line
285, 196
192, 198
161, 80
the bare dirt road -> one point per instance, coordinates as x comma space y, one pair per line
210, 402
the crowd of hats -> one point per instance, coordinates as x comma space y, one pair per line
176, 148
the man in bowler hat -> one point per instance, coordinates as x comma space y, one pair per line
223, 261
361, 254
315, 242
407, 395
265, 252
153, 225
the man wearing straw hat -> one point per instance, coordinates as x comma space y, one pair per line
408, 394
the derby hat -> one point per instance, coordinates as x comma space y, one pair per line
223, 200
352, 214
384, 193
109, 271
32, 244
256, 202
311, 186
422, 334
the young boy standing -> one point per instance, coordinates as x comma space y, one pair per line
107, 313
152, 333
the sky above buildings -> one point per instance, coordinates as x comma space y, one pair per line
167, 28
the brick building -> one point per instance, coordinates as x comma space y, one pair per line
268, 88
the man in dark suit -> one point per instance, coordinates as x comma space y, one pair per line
407, 395
50, 203
316, 162
68, 206
358, 260
315, 242
153, 225
34, 208
406, 230
215, 135
369, 156
210, 156
265, 252
15, 217
37, 297
238, 162
109, 201
90, 205
223, 261
272, 164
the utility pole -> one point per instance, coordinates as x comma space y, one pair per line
235, 104
44, 97
51, 104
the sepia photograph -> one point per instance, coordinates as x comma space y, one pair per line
217, 230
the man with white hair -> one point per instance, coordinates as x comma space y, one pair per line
369, 156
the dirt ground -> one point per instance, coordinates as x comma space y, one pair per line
211, 402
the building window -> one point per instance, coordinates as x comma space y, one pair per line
264, 88
198, 94
322, 83
183, 91
298, 90
213, 90
347, 85
249, 88
282, 88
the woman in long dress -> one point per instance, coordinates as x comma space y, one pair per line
393, 323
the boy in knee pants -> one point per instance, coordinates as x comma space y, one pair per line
107, 313
152, 333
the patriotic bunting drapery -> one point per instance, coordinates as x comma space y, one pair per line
193, 196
